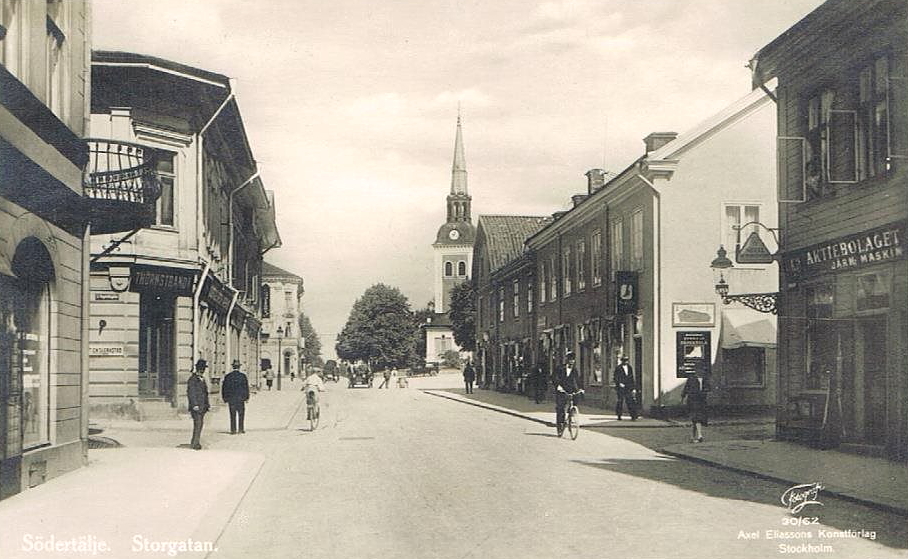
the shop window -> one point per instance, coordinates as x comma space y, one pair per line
821, 336
595, 258
166, 178
744, 366
581, 265
872, 292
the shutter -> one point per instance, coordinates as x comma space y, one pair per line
897, 112
792, 181
841, 160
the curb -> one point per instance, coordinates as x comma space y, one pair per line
483, 405
838, 493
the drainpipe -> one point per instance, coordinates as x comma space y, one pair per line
230, 225
657, 300
236, 294
86, 325
195, 311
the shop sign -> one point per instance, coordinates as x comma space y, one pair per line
105, 296
217, 294
875, 246
106, 350
754, 251
694, 353
169, 280
626, 292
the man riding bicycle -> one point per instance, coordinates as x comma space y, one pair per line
312, 386
566, 384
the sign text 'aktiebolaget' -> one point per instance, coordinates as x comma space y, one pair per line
876, 246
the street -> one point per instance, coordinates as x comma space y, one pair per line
400, 473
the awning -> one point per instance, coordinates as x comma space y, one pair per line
747, 328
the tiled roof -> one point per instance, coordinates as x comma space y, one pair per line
505, 234
272, 271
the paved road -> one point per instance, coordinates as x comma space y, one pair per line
399, 473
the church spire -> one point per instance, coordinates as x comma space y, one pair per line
459, 168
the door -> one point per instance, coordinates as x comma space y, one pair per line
870, 379
156, 346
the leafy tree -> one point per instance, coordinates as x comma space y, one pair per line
380, 329
451, 359
463, 315
313, 349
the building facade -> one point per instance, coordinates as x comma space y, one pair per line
282, 341
843, 213
452, 256
51, 200
186, 286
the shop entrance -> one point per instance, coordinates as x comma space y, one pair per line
869, 383
156, 346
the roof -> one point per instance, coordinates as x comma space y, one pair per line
505, 236
271, 271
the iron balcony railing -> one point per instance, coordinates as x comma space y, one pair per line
121, 185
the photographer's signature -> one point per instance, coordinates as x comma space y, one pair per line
799, 496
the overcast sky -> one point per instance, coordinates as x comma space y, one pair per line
350, 107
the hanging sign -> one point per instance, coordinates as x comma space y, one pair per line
626, 292
754, 251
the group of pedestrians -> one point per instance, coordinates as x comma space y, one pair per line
234, 391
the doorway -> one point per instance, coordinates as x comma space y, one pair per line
156, 345
869, 383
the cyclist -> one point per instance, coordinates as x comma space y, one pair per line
566, 383
312, 386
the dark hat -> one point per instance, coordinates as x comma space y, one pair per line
570, 355
235, 364
201, 365
624, 357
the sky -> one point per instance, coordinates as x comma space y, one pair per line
351, 106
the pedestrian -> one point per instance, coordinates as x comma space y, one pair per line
567, 379
695, 390
269, 377
541, 383
197, 393
626, 387
386, 378
235, 391
469, 375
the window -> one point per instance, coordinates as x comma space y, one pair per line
288, 329
516, 294
461, 268
617, 246
595, 258
553, 280
529, 297
56, 67
737, 215
449, 269
14, 38
567, 271
581, 265
166, 176
542, 284
266, 301
744, 366
637, 240
501, 304
872, 119
288, 302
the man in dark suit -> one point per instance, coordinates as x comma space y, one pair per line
566, 382
235, 392
626, 387
197, 392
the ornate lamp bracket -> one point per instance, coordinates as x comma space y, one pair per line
763, 302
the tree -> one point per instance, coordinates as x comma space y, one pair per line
463, 315
380, 329
313, 346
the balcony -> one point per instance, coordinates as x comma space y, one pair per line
120, 186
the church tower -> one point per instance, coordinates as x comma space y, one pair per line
453, 254
453, 246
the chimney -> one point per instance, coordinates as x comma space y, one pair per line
577, 198
595, 180
658, 139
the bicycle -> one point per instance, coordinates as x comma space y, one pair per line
572, 416
313, 410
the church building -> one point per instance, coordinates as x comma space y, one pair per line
453, 256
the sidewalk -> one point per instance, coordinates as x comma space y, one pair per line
874, 482
154, 496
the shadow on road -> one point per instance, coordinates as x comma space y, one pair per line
891, 529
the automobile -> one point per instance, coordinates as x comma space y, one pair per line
360, 376
331, 370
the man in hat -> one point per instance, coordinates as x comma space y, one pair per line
626, 387
197, 392
235, 391
567, 379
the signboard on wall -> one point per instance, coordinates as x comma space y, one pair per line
694, 353
874, 246
160, 279
106, 350
626, 298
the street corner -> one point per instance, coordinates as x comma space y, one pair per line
151, 501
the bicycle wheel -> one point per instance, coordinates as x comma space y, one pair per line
313, 418
573, 423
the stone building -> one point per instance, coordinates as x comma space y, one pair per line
843, 213
187, 285
282, 341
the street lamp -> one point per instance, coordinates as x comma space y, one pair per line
763, 302
280, 356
